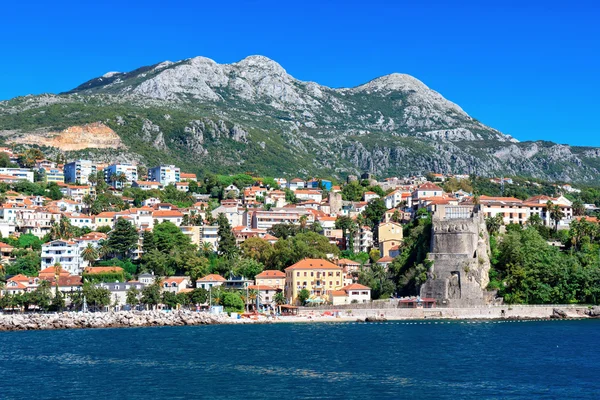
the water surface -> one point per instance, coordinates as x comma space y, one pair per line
425, 360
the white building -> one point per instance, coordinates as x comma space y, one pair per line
19, 173
65, 252
309, 194
354, 293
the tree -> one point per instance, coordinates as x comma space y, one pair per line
303, 295
303, 220
170, 299
148, 242
89, 253
167, 237
123, 238
133, 296
347, 225
248, 268
279, 298
159, 263
63, 229
374, 211
227, 244
151, 294
29, 157
257, 249
493, 224
556, 214
578, 208
198, 296
232, 302
99, 297
353, 191
378, 279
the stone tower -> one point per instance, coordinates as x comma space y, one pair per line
460, 253
335, 203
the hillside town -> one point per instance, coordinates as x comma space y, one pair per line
79, 234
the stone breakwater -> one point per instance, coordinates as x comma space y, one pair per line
121, 319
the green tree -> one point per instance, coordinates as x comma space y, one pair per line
133, 296
151, 294
232, 302
279, 298
227, 244
303, 295
257, 249
170, 299
123, 238
198, 296
89, 254
248, 268
348, 227
353, 191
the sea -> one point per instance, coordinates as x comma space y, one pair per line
346, 360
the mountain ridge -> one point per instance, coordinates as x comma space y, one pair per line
252, 115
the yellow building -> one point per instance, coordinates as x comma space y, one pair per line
270, 277
390, 234
319, 277
106, 218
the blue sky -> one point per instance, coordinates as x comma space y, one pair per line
528, 70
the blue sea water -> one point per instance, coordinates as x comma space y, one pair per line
394, 360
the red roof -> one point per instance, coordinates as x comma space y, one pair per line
212, 278
271, 273
313, 263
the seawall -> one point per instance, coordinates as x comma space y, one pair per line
490, 312
120, 319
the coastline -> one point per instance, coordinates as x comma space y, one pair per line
132, 319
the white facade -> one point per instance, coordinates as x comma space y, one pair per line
129, 170
79, 171
19, 173
66, 253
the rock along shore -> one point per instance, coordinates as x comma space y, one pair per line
119, 319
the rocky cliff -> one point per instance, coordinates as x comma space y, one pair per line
253, 116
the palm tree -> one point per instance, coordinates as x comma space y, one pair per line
207, 248
279, 298
104, 249
122, 179
303, 222
90, 254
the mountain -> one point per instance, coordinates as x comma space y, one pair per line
252, 116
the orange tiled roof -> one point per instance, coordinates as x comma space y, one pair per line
271, 273
313, 263
101, 270
212, 278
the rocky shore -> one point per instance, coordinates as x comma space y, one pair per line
121, 319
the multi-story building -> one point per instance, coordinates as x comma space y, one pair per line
55, 175
127, 170
319, 277
165, 174
79, 171
65, 252
389, 234
271, 277
210, 234
18, 173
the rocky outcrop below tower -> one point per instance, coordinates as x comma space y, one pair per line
460, 253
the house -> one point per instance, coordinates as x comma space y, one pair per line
270, 277
182, 186
427, 189
118, 291
354, 293
397, 198
146, 279
146, 185
150, 202
77, 192
368, 196
266, 294
17, 174
295, 184
176, 217
318, 276
174, 284
210, 281
6, 253
231, 189
348, 266
390, 234
106, 218
308, 194
385, 261
81, 220
184, 176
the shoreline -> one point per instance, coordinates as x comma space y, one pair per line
133, 319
